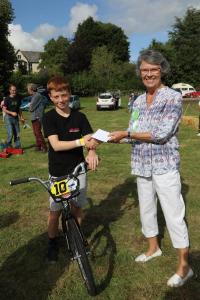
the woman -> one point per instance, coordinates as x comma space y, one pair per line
155, 161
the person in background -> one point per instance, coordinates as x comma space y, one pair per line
11, 109
2, 104
155, 161
68, 132
130, 102
37, 110
198, 134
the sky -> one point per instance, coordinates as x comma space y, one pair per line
37, 21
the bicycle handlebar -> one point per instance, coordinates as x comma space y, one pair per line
19, 181
82, 167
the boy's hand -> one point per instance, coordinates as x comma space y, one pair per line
92, 160
90, 143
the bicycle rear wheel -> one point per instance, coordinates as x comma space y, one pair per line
79, 251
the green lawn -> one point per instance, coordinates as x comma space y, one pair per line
111, 224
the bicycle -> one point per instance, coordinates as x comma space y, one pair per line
62, 190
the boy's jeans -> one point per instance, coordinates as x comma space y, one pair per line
12, 126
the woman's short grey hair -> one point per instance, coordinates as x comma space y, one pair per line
155, 58
32, 87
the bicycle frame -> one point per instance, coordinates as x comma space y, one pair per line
71, 229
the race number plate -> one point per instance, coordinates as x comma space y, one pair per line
64, 187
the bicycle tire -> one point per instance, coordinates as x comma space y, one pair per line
79, 251
65, 232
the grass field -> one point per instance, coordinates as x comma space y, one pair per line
111, 224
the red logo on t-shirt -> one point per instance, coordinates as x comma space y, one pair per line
74, 129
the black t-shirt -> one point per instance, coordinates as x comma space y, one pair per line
13, 103
68, 129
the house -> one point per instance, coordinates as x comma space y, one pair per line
28, 60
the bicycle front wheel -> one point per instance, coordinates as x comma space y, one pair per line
80, 255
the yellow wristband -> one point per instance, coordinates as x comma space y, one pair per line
82, 143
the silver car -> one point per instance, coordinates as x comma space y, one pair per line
108, 100
74, 102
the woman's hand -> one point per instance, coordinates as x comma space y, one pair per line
116, 136
92, 160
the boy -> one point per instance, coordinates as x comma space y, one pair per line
67, 132
11, 108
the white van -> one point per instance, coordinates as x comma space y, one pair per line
184, 88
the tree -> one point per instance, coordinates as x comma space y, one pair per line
185, 40
90, 35
182, 49
7, 53
83, 83
102, 67
55, 55
110, 74
116, 41
168, 51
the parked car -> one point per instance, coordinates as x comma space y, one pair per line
44, 93
184, 88
108, 100
25, 103
74, 102
193, 95
177, 90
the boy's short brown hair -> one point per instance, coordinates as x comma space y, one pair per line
58, 83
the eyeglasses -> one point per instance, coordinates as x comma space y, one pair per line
152, 71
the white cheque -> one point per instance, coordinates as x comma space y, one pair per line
101, 135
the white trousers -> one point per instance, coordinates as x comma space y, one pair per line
167, 187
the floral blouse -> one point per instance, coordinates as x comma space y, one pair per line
161, 120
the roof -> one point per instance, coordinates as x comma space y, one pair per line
181, 85
32, 56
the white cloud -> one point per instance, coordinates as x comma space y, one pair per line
146, 16
45, 31
37, 39
142, 17
24, 40
78, 14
